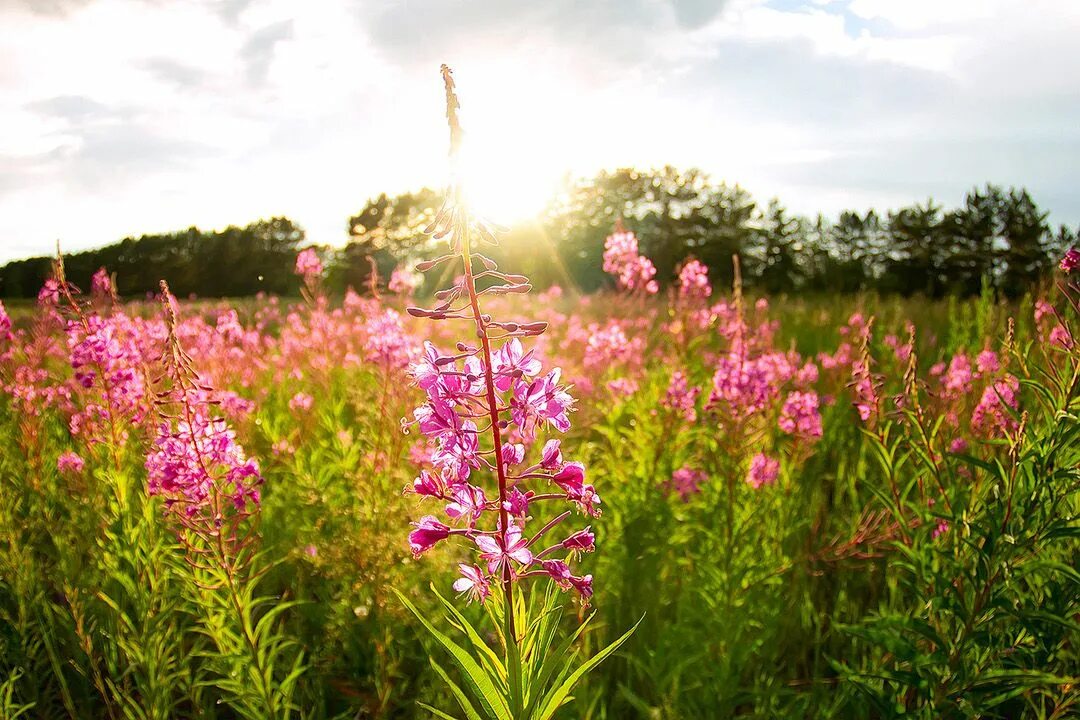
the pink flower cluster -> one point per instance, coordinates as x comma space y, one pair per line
763, 471
800, 416
694, 281
403, 282
681, 397
1070, 261
632, 270
308, 264
196, 458
387, 341
687, 481
457, 396
103, 356
609, 345
991, 416
69, 463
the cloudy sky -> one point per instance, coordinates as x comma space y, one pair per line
122, 117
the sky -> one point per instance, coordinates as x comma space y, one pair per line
124, 117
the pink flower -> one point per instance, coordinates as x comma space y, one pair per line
101, 283
512, 363
5, 322
763, 471
428, 532
1071, 260
513, 454
429, 485
301, 402
403, 281
621, 258
958, 445
516, 548
70, 464
987, 362
800, 415
991, 416
559, 572
49, 293
541, 401
469, 503
551, 456
1060, 336
687, 482
473, 583
308, 264
941, 529
517, 502
581, 541
694, 281
681, 397
1042, 309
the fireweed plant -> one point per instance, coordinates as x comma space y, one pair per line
486, 404
211, 493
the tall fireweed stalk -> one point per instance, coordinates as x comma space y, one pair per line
211, 492
486, 405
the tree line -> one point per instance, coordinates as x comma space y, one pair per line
998, 237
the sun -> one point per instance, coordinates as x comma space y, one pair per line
506, 183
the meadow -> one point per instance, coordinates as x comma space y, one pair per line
808, 506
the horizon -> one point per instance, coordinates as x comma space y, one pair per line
118, 131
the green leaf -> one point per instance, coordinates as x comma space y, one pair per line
459, 694
560, 695
480, 682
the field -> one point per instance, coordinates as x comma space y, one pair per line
816, 507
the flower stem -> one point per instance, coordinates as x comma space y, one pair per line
493, 412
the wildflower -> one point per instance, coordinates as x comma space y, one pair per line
991, 416
551, 456
581, 541
5, 322
49, 293
69, 463
513, 454
429, 531
429, 484
403, 282
517, 502
624, 387
681, 398
687, 482
101, 283
1060, 336
694, 281
763, 471
483, 408
542, 400
559, 572
511, 363
512, 547
1042, 309
308, 264
800, 415
301, 402
197, 457
1071, 260
941, 529
473, 583
468, 503
621, 258
987, 362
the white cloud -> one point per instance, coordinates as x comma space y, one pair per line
128, 116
